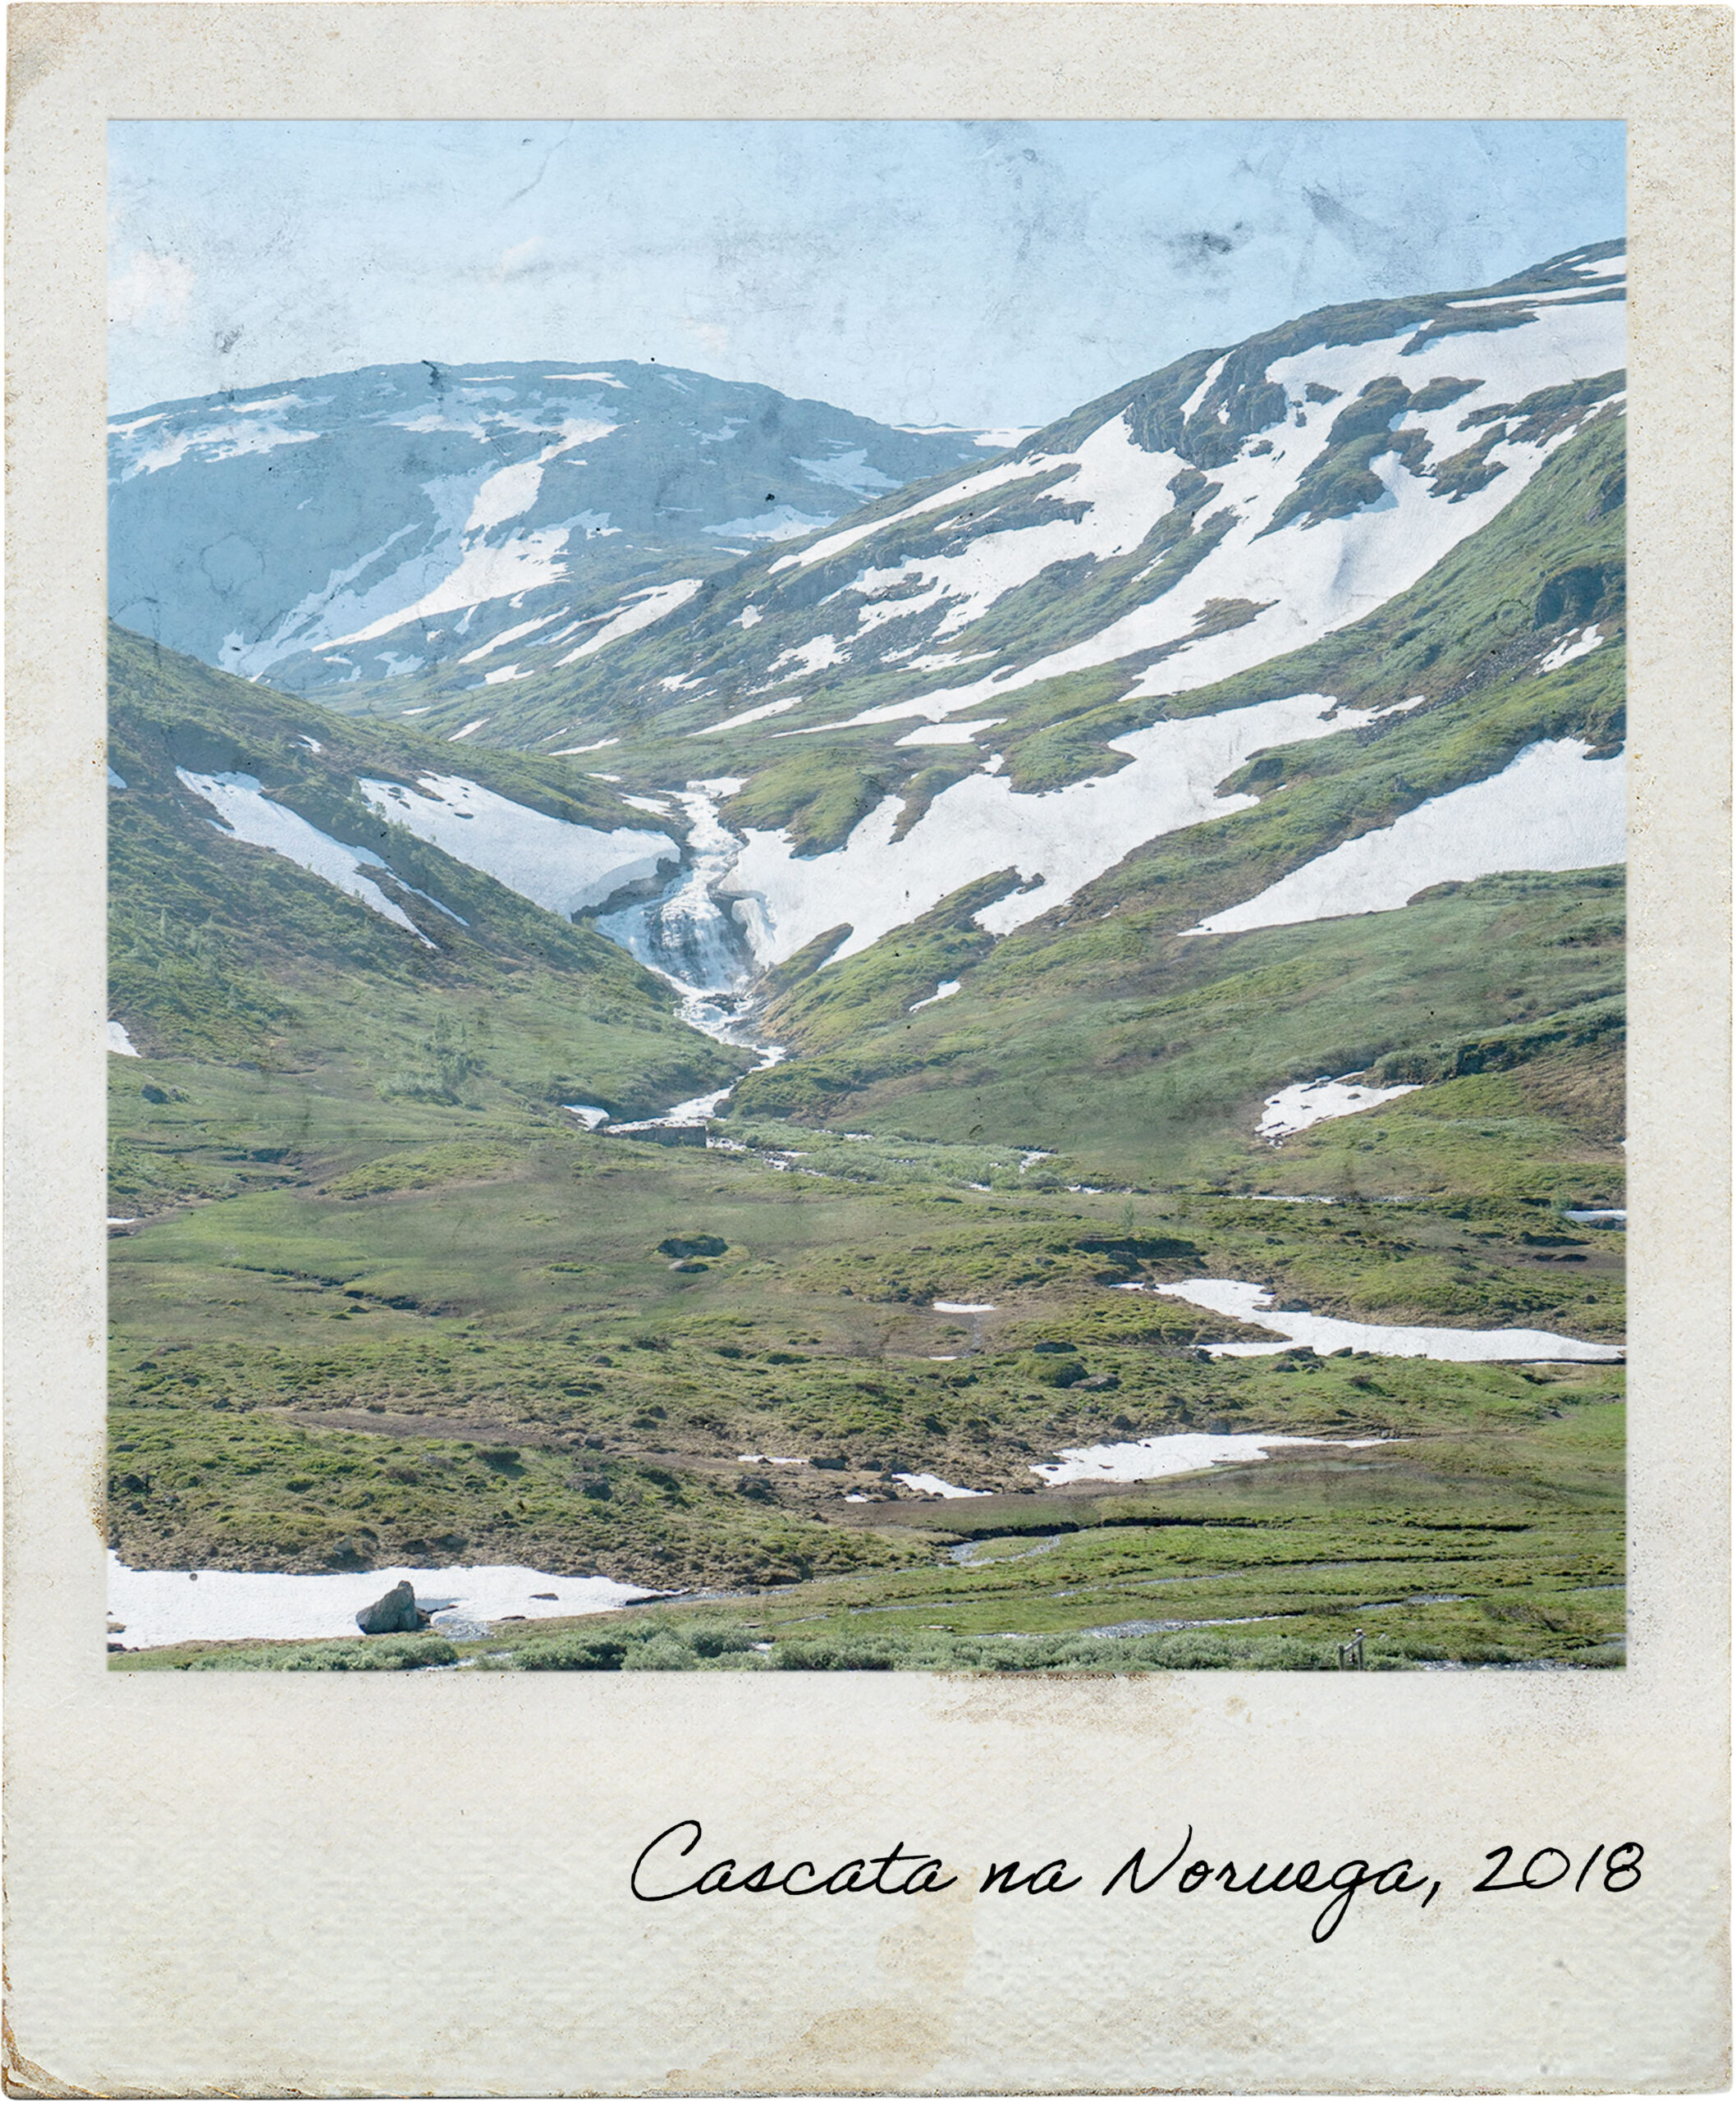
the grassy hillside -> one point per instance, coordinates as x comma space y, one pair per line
525, 1375
1099, 1031
230, 955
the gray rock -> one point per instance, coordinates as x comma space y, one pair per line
395, 1613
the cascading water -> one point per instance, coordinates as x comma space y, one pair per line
696, 944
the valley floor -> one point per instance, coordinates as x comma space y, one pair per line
431, 1335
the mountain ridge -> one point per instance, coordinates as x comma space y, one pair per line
445, 501
1135, 541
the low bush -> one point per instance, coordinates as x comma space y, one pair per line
411, 1652
574, 1652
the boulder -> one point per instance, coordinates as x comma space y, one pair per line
395, 1613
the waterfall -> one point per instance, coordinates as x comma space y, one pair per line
685, 935
696, 944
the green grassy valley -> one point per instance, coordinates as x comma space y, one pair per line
525, 1375
820, 1285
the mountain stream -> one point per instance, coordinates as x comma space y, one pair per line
695, 944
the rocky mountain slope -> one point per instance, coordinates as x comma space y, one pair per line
1416, 885
361, 525
1229, 509
1278, 639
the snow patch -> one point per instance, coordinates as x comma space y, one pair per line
973, 485
1151, 1459
639, 610
1254, 1304
509, 634
851, 471
819, 655
950, 732
1316, 1101
753, 715
947, 987
528, 561
1527, 299
159, 1606
217, 441
1553, 808
120, 1043
250, 816
1567, 650
1204, 388
781, 521
933, 1484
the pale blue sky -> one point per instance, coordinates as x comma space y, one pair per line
983, 273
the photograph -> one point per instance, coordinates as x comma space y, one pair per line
895, 851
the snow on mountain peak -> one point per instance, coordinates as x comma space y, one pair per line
397, 500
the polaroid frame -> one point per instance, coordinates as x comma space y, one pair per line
256, 1884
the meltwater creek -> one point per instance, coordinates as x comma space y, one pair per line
695, 943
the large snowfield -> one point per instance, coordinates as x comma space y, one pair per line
1058, 841
562, 867
1556, 807
1308, 579
157, 1606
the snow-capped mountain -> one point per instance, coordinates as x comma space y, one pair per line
1339, 610
365, 524
1235, 506
1044, 663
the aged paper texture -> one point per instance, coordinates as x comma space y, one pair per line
244, 1882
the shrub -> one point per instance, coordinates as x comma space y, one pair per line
409, 1652
720, 1641
574, 1652
664, 1651
831, 1656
